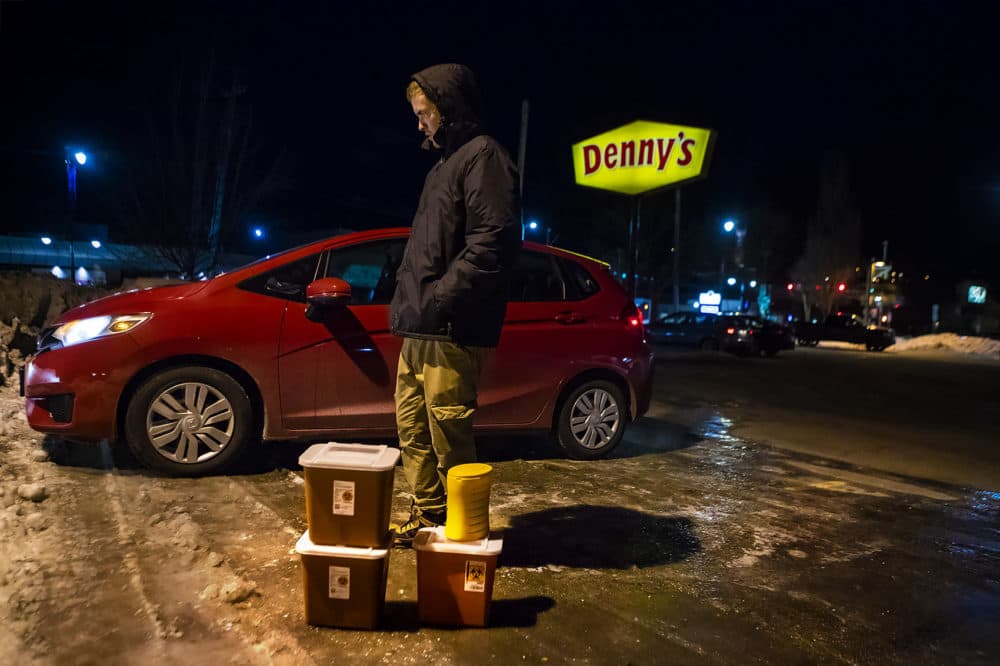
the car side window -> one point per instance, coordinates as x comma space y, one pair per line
287, 281
580, 282
535, 277
674, 319
370, 269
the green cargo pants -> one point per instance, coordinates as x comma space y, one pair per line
436, 387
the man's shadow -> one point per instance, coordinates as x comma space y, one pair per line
597, 537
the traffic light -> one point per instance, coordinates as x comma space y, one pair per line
789, 286
841, 287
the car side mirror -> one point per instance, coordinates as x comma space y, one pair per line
328, 292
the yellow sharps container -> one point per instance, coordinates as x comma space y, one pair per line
468, 502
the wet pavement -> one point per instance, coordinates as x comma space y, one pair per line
692, 544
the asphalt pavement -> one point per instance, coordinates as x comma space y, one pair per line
700, 540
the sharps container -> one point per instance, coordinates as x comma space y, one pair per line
468, 502
349, 493
343, 587
454, 578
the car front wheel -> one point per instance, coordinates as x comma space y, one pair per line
189, 421
592, 420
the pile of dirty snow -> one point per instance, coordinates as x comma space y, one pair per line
963, 344
28, 302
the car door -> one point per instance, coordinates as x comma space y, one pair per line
337, 367
357, 364
548, 326
297, 370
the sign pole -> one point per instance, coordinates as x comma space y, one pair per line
635, 246
677, 250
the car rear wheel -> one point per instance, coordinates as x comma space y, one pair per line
189, 421
592, 420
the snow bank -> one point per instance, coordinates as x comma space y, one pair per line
949, 341
27, 303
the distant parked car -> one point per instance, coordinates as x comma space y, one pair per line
768, 337
843, 328
745, 335
297, 346
690, 329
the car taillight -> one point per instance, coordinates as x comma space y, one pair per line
632, 315
730, 331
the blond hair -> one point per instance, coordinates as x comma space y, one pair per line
412, 90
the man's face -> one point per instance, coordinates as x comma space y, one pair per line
428, 118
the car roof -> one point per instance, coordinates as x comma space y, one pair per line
403, 232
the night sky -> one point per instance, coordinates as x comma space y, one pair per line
907, 90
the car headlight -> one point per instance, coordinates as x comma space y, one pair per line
83, 330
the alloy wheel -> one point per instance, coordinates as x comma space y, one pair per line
594, 418
190, 422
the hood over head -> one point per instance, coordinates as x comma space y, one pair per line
453, 90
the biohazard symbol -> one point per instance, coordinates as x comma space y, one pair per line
343, 580
476, 574
347, 496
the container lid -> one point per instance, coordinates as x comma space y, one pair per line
334, 455
305, 546
433, 539
470, 471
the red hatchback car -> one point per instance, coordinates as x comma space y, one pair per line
297, 346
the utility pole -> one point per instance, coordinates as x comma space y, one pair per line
522, 149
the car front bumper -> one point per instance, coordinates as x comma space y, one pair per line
74, 391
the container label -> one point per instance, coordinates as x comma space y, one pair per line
343, 498
340, 583
475, 576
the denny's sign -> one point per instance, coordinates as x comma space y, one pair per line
642, 156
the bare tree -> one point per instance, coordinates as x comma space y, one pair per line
834, 237
201, 173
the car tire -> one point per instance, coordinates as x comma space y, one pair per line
189, 421
591, 421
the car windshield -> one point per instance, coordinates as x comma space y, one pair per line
268, 257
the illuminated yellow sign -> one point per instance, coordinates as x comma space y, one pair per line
642, 156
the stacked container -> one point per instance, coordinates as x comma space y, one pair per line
344, 552
456, 563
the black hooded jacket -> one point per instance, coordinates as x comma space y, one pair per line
453, 281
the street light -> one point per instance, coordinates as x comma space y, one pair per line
258, 232
46, 240
731, 281
533, 225
729, 225
78, 158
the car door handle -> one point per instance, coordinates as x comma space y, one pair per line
570, 317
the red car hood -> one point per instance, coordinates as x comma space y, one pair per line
132, 302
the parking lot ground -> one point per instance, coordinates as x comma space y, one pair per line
690, 545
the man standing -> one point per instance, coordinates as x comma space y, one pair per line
451, 290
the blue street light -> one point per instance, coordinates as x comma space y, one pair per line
258, 232
96, 244
731, 281
77, 158
534, 225
729, 225
46, 240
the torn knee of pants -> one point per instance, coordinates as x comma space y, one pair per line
452, 412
